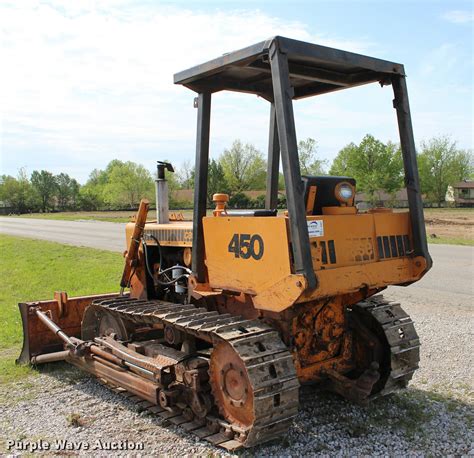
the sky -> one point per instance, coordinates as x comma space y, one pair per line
84, 82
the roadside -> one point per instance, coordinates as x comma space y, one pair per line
453, 226
450, 225
109, 216
119, 216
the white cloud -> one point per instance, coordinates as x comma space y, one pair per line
459, 16
84, 82
93, 80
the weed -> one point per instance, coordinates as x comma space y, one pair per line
75, 420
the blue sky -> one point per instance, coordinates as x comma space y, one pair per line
84, 82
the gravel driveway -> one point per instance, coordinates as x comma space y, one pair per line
434, 416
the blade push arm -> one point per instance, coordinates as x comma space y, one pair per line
132, 253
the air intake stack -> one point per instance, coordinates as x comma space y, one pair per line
162, 202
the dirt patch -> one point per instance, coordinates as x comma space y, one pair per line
450, 223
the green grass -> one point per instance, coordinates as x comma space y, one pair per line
113, 217
451, 241
32, 270
448, 210
110, 216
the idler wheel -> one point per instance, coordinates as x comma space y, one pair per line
231, 385
99, 322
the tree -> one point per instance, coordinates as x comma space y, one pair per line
441, 164
307, 151
244, 167
99, 177
17, 193
240, 200
45, 186
374, 165
341, 163
216, 181
91, 197
185, 176
127, 183
463, 167
67, 191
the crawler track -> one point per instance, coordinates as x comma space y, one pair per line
265, 360
264, 363
396, 330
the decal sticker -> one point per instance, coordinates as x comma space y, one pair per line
315, 228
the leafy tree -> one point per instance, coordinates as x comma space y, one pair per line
91, 197
244, 167
463, 165
99, 177
340, 165
17, 192
216, 181
281, 202
375, 166
441, 164
309, 164
240, 200
127, 183
46, 187
67, 191
259, 201
185, 176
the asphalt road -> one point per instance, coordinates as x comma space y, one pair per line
449, 282
93, 234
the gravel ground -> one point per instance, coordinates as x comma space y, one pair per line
434, 416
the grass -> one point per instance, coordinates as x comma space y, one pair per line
451, 241
452, 226
33, 270
454, 211
75, 420
110, 216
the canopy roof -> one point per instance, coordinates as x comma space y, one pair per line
313, 70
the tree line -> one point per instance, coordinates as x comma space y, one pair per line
375, 165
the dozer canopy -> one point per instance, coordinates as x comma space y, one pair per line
281, 70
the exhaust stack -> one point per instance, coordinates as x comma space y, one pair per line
162, 202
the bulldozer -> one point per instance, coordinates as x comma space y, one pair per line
219, 321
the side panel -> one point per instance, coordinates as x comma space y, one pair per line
350, 253
356, 239
246, 254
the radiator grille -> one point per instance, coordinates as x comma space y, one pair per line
393, 246
328, 252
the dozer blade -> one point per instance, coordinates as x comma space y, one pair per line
66, 312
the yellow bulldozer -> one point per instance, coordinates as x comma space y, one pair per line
219, 321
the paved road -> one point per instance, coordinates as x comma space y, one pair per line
450, 281
94, 234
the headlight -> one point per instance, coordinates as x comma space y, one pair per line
344, 192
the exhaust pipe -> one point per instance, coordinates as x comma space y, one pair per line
162, 201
